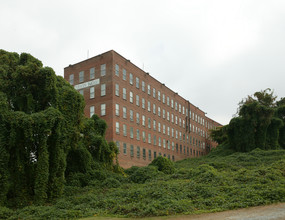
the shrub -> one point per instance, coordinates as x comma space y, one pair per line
163, 164
144, 173
111, 183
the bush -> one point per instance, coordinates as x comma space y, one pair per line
163, 164
144, 173
5, 212
111, 183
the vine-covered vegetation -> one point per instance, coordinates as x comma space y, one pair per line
260, 124
44, 136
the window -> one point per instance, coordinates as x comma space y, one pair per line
117, 91
117, 110
168, 145
81, 76
103, 89
183, 123
117, 128
137, 100
137, 82
131, 97
143, 86
168, 116
124, 130
92, 110
81, 92
143, 136
172, 132
143, 103
103, 109
176, 119
92, 73
153, 92
131, 132
124, 93
131, 115
163, 98
164, 144
154, 140
172, 118
154, 125
148, 106
124, 74
158, 111
149, 154
168, 131
154, 154
138, 118
92, 92
171, 103
158, 124
153, 108
138, 134
118, 145
144, 155
143, 120
71, 79
176, 106
180, 108
124, 112
167, 100
117, 69
149, 123
103, 69
163, 113
138, 152
180, 122
131, 79
159, 141
163, 129
132, 151
158, 95
148, 89
183, 110
173, 146
176, 134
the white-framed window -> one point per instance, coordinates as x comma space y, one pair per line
137, 82
163, 128
154, 140
137, 100
149, 123
148, 89
143, 86
124, 93
92, 73
92, 92
71, 79
143, 136
172, 103
117, 69
118, 145
176, 119
143, 120
173, 146
124, 148
167, 100
158, 126
168, 131
124, 130
180, 122
103, 109
148, 106
117, 90
117, 127
183, 123
154, 125
81, 76
92, 110
138, 134
103, 89
183, 110
131, 115
164, 143
163, 98
180, 108
159, 141
124, 112
131, 132
158, 95
168, 116
172, 132
103, 69
163, 113
81, 91
176, 134
149, 138
131, 79
131, 97
158, 111
153, 108
153, 92
172, 118
117, 109
124, 74
143, 103
138, 118
176, 106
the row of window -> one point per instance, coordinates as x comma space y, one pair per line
81, 74
141, 135
157, 125
92, 91
183, 150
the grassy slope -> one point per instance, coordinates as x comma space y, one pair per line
219, 181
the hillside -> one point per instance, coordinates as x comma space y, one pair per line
220, 181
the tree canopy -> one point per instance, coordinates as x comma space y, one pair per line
259, 124
41, 125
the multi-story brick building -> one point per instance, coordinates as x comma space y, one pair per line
145, 118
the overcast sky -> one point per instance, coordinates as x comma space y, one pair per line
212, 52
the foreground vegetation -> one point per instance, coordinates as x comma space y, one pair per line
222, 180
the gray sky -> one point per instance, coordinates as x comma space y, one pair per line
212, 52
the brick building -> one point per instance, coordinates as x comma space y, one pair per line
145, 118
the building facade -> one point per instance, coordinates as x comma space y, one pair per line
145, 118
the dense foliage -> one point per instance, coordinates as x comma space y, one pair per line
260, 124
220, 181
44, 136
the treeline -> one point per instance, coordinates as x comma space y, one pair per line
260, 123
44, 136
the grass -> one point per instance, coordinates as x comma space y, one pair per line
222, 180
